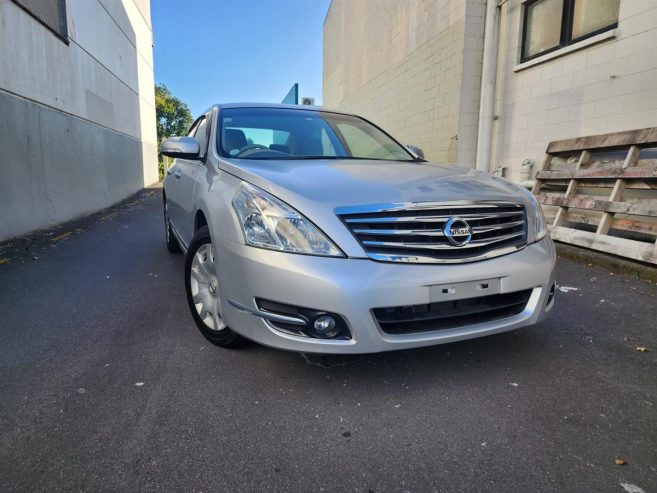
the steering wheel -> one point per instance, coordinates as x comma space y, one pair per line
252, 146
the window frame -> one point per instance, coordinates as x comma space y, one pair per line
565, 36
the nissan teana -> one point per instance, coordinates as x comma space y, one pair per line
313, 230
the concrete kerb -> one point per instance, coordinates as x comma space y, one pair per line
636, 270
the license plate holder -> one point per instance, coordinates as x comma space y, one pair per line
463, 290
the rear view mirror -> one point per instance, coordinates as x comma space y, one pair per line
415, 150
180, 147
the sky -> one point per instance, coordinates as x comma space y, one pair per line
221, 51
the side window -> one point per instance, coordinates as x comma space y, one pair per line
201, 135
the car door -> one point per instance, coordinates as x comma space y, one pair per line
181, 189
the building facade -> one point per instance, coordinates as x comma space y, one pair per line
77, 110
505, 77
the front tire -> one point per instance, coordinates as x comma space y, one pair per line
202, 285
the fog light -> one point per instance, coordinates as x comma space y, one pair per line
320, 324
325, 326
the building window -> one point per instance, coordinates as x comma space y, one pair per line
552, 24
50, 13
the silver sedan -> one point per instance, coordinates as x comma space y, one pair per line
311, 230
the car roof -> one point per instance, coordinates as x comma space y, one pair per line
301, 107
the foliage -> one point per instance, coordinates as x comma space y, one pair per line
172, 115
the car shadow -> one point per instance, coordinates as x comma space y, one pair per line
492, 354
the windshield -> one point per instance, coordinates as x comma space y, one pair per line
278, 133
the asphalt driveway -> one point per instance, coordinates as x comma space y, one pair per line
106, 384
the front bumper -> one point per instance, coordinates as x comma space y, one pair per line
352, 287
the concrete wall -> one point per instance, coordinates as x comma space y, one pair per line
410, 66
605, 87
77, 131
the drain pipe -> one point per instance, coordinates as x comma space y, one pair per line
488, 79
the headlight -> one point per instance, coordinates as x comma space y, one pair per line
536, 212
270, 223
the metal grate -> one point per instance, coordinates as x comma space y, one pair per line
445, 315
421, 232
50, 13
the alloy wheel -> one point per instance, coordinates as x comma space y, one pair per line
204, 284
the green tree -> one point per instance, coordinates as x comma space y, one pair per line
172, 115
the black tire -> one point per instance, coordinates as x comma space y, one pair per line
225, 337
172, 244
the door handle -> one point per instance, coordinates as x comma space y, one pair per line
177, 173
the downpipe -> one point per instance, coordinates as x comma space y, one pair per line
488, 81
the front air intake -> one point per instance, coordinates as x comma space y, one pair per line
453, 314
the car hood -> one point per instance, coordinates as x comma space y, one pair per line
316, 188
341, 183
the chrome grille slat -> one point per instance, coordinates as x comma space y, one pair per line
426, 219
415, 232
441, 246
421, 232
486, 229
430, 232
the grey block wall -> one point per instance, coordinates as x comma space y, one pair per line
55, 166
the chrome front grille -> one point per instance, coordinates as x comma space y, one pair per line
417, 232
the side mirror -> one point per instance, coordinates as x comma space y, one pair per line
180, 147
415, 150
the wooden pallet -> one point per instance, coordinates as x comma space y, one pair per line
600, 192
